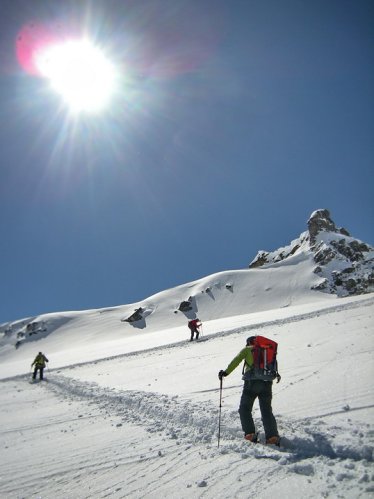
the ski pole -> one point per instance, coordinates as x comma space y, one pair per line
220, 409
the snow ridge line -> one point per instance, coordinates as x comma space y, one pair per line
242, 329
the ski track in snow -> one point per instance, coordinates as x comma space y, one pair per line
312, 447
197, 423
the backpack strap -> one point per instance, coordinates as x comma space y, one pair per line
245, 363
278, 377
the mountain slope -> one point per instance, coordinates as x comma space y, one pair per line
226, 294
131, 409
323, 263
145, 424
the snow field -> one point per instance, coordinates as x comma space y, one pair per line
144, 424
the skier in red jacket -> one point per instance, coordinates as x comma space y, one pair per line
194, 325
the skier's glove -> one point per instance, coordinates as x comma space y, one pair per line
278, 378
222, 374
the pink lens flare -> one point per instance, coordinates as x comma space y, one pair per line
32, 39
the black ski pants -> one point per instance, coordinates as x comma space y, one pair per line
262, 390
40, 369
194, 330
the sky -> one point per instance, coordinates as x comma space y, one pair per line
233, 121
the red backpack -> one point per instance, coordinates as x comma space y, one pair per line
193, 323
265, 365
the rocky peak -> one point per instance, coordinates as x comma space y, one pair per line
319, 221
345, 265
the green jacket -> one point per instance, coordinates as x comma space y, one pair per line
245, 354
40, 360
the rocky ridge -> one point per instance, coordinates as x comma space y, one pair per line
344, 264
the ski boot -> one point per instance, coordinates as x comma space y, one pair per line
273, 441
251, 437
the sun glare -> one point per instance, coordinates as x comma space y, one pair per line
80, 73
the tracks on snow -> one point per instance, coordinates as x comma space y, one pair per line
197, 423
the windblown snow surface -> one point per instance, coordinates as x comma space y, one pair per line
129, 412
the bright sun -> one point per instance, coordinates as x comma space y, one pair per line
80, 73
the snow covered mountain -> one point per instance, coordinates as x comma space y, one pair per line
345, 264
322, 260
130, 407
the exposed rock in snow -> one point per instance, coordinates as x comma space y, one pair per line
319, 221
344, 264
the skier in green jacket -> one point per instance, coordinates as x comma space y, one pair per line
252, 389
39, 363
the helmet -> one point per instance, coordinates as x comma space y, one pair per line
250, 340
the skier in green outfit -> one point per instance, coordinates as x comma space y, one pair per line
252, 389
39, 363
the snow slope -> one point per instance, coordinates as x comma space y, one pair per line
131, 409
143, 424
82, 336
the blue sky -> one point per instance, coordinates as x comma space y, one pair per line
234, 122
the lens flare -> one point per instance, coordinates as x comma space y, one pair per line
79, 72
33, 38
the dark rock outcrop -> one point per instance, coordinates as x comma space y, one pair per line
136, 316
319, 221
344, 264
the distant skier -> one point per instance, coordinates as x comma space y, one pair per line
252, 389
194, 325
39, 363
